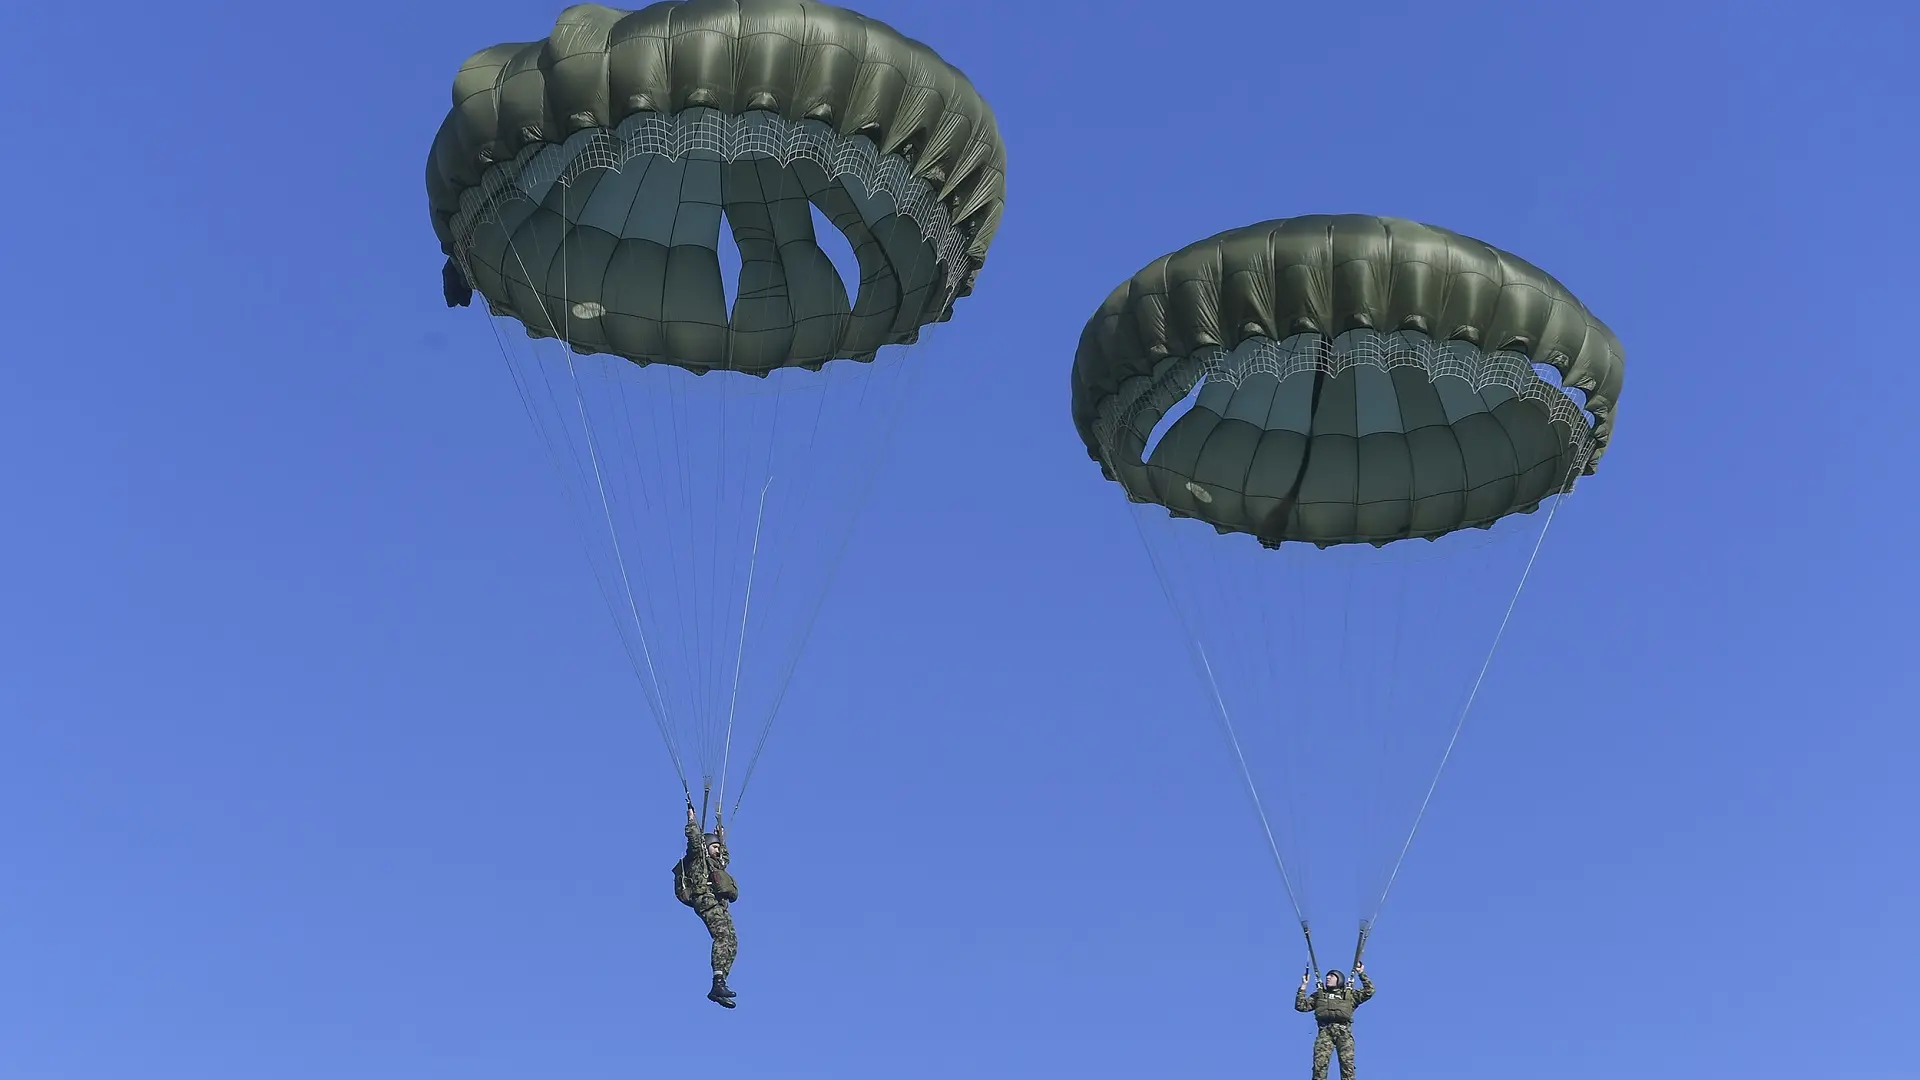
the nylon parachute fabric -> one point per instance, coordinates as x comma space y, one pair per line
707, 232
1334, 433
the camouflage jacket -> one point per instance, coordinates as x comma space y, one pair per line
696, 877
1334, 1006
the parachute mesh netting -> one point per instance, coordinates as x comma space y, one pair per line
1370, 437
1342, 517
628, 262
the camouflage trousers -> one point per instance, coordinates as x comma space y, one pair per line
1332, 1038
719, 924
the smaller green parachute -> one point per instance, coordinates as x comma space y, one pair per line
1351, 379
1330, 385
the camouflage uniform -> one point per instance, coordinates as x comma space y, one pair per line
1332, 1009
707, 888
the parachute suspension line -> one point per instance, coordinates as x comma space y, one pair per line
657, 697
909, 373
685, 576
627, 448
813, 614
1313, 962
740, 652
1355, 699
689, 721
554, 459
526, 395
662, 712
724, 240
1479, 679
1302, 762
703, 626
1226, 722
619, 555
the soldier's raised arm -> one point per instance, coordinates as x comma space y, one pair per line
1365, 989
696, 840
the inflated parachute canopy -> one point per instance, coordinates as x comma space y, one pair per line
1345, 379
579, 182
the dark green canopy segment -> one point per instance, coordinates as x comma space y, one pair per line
580, 182
1354, 379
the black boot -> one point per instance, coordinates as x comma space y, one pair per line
720, 994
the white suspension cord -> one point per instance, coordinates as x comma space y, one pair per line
1472, 694
1226, 719
740, 653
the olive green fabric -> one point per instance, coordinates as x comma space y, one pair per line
612, 243
1356, 379
1332, 273
801, 60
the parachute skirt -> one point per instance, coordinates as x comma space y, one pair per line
626, 225
1366, 438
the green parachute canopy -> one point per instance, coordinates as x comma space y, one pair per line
1345, 382
579, 183
592, 186
1344, 379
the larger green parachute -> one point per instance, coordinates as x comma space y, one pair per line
1331, 386
623, 138
651, 197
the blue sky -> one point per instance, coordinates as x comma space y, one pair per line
319, 759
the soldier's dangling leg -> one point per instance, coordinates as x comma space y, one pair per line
1322, 1053
720, 926
1343, 1045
